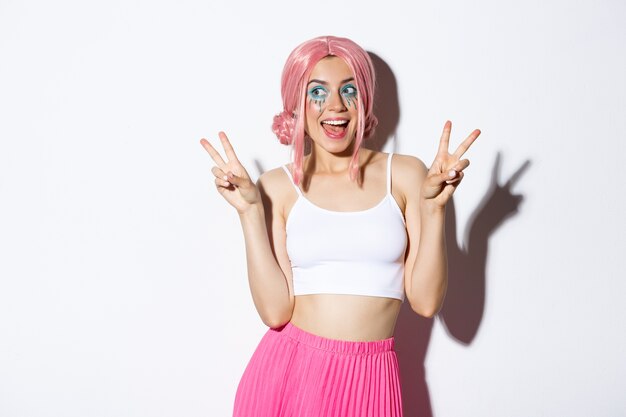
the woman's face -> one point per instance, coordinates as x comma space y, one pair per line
331, 111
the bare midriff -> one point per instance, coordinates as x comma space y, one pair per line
346, 317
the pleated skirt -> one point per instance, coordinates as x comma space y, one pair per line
294, 373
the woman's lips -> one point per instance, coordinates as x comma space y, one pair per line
335, 131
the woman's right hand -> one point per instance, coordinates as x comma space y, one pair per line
231, 178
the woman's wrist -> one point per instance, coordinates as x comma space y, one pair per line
429, 208
252, 211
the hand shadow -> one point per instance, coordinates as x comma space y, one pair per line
464, 304
463, 309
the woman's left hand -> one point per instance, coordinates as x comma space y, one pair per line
446, 172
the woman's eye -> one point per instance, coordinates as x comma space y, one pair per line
317, 93
349, 90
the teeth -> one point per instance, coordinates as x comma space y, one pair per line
335, 122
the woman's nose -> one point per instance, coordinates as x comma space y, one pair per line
336, 103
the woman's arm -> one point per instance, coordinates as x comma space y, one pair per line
429, 277
426, 277
269, 284
269, 269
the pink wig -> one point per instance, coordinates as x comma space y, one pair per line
289, 128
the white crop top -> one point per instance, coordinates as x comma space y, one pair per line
354, 252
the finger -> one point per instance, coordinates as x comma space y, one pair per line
219, 182
236, 180
463, 147
449, 189
461, 165
217, 158
219, 173
444, 142
456, 180
443, 178
228, 148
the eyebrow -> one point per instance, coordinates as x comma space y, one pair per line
325, 83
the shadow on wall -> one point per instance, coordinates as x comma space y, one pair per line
465, 297
386, 106
463, 309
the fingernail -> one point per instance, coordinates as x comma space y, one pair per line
452, 173
225, 178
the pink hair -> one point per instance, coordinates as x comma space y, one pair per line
289, 128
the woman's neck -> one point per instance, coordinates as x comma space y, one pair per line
320, 161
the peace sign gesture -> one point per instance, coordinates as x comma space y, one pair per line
446, 172
231, 178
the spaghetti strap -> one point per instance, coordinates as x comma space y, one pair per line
291, 180
389, 173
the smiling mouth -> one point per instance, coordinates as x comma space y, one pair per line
335, 128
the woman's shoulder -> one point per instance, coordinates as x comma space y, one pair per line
407, 173
408, 165
403, 162
404, 168
276, 185
275, 178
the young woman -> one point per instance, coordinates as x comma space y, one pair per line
335, 241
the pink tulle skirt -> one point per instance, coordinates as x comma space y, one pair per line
294, 373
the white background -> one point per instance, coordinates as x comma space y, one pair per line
123, 289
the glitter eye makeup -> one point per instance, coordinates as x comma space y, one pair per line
348, 92
318, 95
